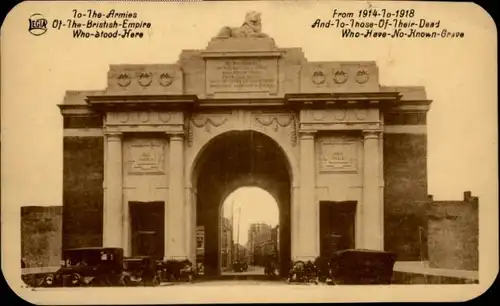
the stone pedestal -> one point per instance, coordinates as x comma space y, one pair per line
175, 246
113, 221
372, 208
308, 208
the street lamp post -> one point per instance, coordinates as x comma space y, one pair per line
238, 235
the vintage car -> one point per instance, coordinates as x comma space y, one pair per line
360, 266
141, 271
240, 266
322, 265
88, 267
303, 272
200, 268
271, 269
179, 270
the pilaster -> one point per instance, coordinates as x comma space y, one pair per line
115, 219
308, 208
175, 245
372, 209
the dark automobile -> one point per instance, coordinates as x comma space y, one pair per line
141, 271
303, 272
271, 269
359, 266
179, 270
322, 264
88, 267
240, 266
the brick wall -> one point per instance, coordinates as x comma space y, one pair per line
453, 233
41, 231
405, 176
83, 171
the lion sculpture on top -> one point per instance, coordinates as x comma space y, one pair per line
252, 27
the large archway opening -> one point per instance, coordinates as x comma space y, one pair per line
229, 161
249, 231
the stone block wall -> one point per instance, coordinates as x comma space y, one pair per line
83, 174
405, 178
453, 228
41, 235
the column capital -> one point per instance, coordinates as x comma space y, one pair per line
113, 136
175, 136
371, 134
306, 134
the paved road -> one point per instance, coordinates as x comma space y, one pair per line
252, 270
237, 283
240, 291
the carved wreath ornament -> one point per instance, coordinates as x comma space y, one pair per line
318, 77
166, 79
145, 79
124, 80
340, 76
362, 76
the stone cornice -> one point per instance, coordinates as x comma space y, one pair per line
75, 110
238, 53
411, 106
236, 102
345, 99
387, 101
109, 102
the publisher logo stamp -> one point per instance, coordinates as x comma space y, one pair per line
37, 24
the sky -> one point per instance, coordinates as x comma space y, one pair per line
251, 205
459, 76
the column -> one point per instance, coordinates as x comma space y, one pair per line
294, 221
372, 208
113, 210
188, 224
381, 186
176, 214
308, 218
193, 225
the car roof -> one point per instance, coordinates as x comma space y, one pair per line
92, 249
362, 251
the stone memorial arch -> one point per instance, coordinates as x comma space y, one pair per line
154, 154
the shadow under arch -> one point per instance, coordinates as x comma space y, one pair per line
195, 163
237, 159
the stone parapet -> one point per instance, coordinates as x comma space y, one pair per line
150, 79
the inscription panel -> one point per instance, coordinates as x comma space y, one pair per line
146, 157
338, 157
242, 75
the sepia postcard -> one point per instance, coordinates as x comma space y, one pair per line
248, 151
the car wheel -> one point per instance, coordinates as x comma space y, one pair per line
159, 275
75, 279
126, 280
49, 280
